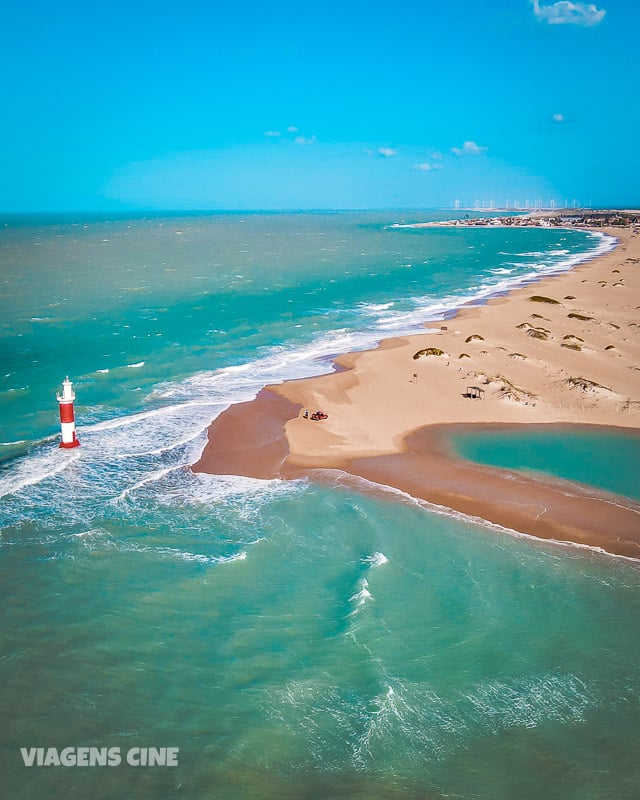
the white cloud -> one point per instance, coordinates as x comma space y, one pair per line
272, 134
558, 117
292, 129
564, 12
469, 149
427, 167
305, 140
387, 152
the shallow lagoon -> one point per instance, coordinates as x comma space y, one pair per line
601, 458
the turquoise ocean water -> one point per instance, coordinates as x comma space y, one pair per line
293, 641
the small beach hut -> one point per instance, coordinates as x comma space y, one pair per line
475, 393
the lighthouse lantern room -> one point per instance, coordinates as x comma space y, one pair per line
67, 418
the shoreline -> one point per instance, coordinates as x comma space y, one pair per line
543, 507
560, 358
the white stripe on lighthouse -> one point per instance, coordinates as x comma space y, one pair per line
68, 430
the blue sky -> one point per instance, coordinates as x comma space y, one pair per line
204, 105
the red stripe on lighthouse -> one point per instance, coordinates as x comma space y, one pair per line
66, 412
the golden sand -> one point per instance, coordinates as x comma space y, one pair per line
563, 350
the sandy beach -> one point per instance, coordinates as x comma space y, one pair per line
564, 350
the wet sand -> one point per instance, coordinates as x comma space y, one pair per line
548, 509
249, 438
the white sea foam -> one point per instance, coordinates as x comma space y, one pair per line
181, 486
137, 365
379, 724
97, 538
376, 559
361, 596
157, 451
207, 490
200, 558
133, 419
409, 719
93, 533
142, 440
151, 478
36, 468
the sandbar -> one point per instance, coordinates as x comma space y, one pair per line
564, 350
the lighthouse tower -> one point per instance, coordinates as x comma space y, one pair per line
67, 418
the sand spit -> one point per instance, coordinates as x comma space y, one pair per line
563, 350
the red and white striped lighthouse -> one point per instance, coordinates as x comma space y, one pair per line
67, 418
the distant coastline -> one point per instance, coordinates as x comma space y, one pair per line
540, 219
